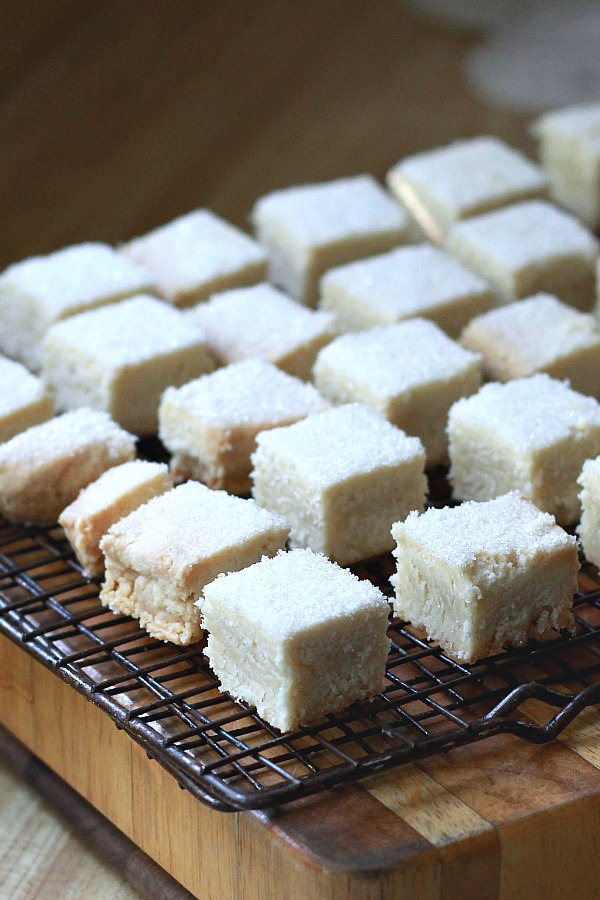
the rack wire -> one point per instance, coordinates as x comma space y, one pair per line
168, 699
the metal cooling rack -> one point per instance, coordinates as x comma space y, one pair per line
168, 700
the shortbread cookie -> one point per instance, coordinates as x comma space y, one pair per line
539, 334
482, 575
313, 227
589, 526
36, 292
464, 179
529, 248
198, 254
410, 372
409, 281
210, 424
43, 469
24, 401
121, 358
297, 637
532, 434
114, 495
569, 141
340, 478
160, 557
262, 323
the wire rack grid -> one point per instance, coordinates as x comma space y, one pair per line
168, 699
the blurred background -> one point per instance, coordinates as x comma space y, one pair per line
116, 116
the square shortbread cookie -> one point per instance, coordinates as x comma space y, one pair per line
532, 434
39, 291
24, 401
160, 557
198, 254
528, 248
313, 227
296, 636
262, 323
121, 358
210, 425
569, 144
482, 575
539, 334
464, 179
340, 478
114, 495
589, 526
43, 469
410, 372
409, 281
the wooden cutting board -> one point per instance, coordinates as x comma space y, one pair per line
501, 818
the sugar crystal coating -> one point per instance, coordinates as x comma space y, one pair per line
411, 372
121, 358
294, 591
408, 281
538, 334
530, 247
175, 531
481, 575
262, 322
115, 494
334, 445
313, 227
36, 292
43, 468
504, 526
77, 276
468, 177
246, 393
196, 254
531, 412
296, 636
321, 213
128, 332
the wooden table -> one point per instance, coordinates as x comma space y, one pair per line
116, 117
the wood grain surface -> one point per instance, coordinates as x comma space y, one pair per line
499, 819
115, 117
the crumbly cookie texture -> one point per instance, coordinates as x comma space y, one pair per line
210, 424
296, 636
39, 291
261, 322
311, 228
197, 255
569, 147
589, 525
532, 435
159, 558
24, 401
114, 495
340, 478
482, 575
410, 372
539, 334
419, 280
43, 469
530, 248
464, 179
121, 358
